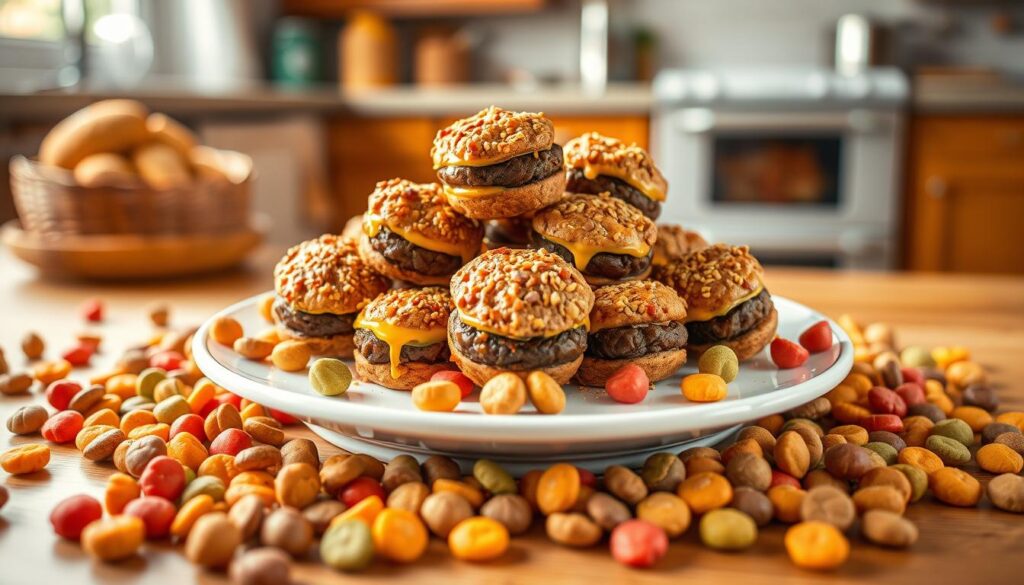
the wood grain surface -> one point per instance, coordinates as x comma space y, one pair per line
956, 546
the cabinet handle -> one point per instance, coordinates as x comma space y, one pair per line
936, 187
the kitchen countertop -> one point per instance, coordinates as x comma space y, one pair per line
176, 99
957, 545
955, 95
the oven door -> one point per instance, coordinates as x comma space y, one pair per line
771, 169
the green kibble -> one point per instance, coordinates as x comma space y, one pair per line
493, 477
916, 356
347, 546
918, 480
884, 450
949, 450
204, 484
955, 429
728, 529
169, 409
719, 360
330, 377
146, 383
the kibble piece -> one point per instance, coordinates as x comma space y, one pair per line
513, 511
574, 530
721, 361
749, 470
607, 511
545, 393
753, 503
13, 384
27, 420
286, 529
253, 348
830, 505
503, 394
114, 538
1007, 492
889, 477
663, 472
24, 459
32, 345
330, 377
791, 454
669, 512
705, 492
955, 487
320, 514
261, 566
291, 355
950, 451
888, 529
347, 546
624, 484
558, 489
212, 541
918, 480
728, 529
441, 511
998, 458
225, 331
816, 545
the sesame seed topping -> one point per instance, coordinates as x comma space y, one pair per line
712, 276
416, 308
423, 208
326, 275
492, 133
596, 150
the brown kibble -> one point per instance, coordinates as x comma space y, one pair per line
879, 497
32, 345
320, 514
440, 467
754, 503
573, 529
338, 470
624, 484
27, 419
828, 504
264, 429
441, 511
258, 457
607, 511
225, 331
792, 455
159, 314
225, 416
408, 496
749, 470
300, 451
888, 529
12, 384
212, 541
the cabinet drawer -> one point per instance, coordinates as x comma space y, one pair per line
972, 137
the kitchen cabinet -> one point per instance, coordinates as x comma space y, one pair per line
966, 194
362, 151
333, 9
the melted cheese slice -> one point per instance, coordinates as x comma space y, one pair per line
372, 225
398, 337
582, 253
472, 192
650, 190
450, 160
476, 324
703, 315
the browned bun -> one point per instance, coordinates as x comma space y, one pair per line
635, 303
353, 228
712, 278
750, 343
658, 366
381, 265
410, 374
674, 242
490, 136
340, 346
326, 275
481, 373
512, 201
613, 157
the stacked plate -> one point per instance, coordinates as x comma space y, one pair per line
592, 432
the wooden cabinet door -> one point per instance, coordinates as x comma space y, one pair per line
966, 211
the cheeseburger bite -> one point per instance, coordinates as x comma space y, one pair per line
498, 163
400, 337
601, 164
605, 238
321, 285
637, 322
674, 242
727, 302
519, 311
410, 233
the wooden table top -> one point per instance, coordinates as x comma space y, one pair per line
956, 545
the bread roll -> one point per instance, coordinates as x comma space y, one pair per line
160, 166
172, 133
106, 126
104, 169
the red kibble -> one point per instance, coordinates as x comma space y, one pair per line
191, 424
283, 417
461, 380
73, 514
787, 354
167, 360
783, 478
228, 398
359, 489
914, 375
881, 400
817, 337
209, 407
638, 543
163, 477
79, 355
628, 385
882, 422
62, 427
587, 477
92, 310
230, 442
911, 393
59, 393
155, 512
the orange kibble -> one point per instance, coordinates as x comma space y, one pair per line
998, 458
849, 413
365, 511
859, 382
252, 410
188, 514
772, 422
786, 501
220, 465
478, 539
916, 430
704, 388
236, 491
947, 356
201, 395
399, 535
842, 393
225, 331
975, 417
1015, 418
103, 416
472, 495
135, 419
161, 430
27, 458
122, 385
705, 491
187, 450
816, 545
48, 372
107, 401
955, 487
558, 488
921, 458
121, 489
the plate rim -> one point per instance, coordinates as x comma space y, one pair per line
518, 428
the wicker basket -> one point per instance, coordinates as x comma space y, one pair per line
50, 202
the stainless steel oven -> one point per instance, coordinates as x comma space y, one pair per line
802, 166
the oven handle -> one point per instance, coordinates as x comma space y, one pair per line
703, 120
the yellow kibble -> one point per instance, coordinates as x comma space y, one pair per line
545, 393
437, 396
816, 545
478, 539
225, 331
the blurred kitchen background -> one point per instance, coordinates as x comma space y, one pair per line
880, 134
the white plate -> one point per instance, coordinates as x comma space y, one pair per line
592, 427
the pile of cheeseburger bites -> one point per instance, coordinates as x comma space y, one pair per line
524, 256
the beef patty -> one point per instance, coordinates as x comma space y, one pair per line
736, 322
523, 169
313, 325
377, 351
576, 182
603, 264
633, 341
408, 256
504, 352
